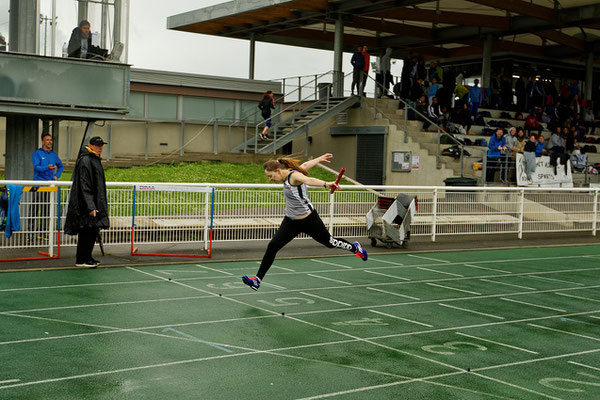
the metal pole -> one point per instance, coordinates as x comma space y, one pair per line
252, 56
595, 221
103, 25
300, 89
53, 30
82, 10
147, 135
206, 217
405, 122
306, 143
331, 209
589, 75
216, 136
108, 154
182, 139
52, 223
316, 87
484, 169
274, 139
434, 215
118, 12
438, 163
338, 55
521, 214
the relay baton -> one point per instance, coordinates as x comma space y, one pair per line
338, 179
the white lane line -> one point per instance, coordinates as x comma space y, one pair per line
273, 286
498, 343
283, 268
553, 279
470, 311
577, 297
329, 279
386, 275
170, 271
330, 263
158, 279
452, 288
326, 299
440, 272
212, 269
394, 294
593, 316
384, 261
532, 304
195, 339
565, 332
430, 259
10, 381
517, 386
574, 363
400, 318
508, 284
488, 269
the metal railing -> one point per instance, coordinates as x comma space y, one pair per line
245, 212
295, 108
422, 117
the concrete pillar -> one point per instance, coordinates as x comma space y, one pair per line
252, 56
589, 76
22, 139
82, 10
23, 26
486, 70
338, 56
22, 132
104, 25
55, 132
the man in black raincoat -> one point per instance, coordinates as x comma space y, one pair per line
88, 207
80, 43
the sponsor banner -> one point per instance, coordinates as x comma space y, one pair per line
544, 175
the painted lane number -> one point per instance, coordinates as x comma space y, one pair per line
446, 347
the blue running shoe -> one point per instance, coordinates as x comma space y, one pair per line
251, 281
360, 252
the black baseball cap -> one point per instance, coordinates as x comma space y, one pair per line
97, 141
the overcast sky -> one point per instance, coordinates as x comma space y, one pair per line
153, 46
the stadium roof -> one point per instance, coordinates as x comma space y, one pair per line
559, 29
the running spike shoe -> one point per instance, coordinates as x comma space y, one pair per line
251, 281
360, 252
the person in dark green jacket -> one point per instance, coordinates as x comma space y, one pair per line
88, 205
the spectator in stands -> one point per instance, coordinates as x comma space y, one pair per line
556, 144
357, 61
511, 141
521, 93
80, 43
496, 145
520, 142
421, 106
532, 123
46, 167
540, 147
475, 98
367, 64
506, 93
408, 77
421, 71
570, 140
589, 121
461, 93
495, 86
436, 71
575, 104
266, 105
417, 90
88, 205
529, 154
434, 112
462, 117
433, 89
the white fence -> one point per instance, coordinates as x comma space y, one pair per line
254, 211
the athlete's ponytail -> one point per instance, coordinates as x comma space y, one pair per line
284, 163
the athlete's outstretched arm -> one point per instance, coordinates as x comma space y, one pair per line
311, 163
298, 178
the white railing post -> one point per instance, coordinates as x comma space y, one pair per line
595, 220
52, 223
434, 214
522, 202
206, 217
331, 208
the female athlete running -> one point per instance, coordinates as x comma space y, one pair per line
300, 215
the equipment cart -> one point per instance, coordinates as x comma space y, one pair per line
389, 220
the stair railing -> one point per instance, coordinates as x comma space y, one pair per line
423, 117
293, 106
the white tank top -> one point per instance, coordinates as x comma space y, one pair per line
297, 204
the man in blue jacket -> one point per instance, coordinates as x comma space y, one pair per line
475, 97
358, 63
496, 145
46, 167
